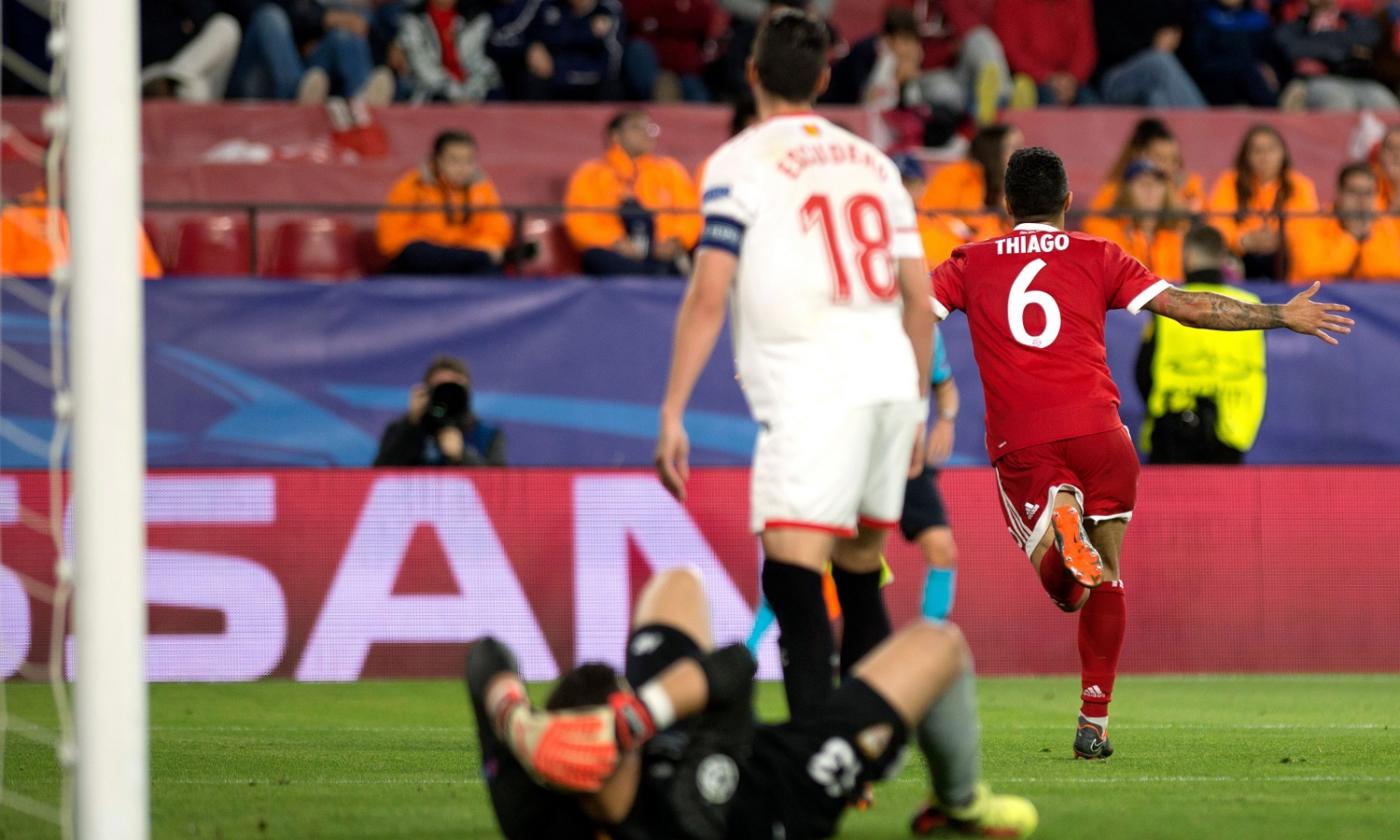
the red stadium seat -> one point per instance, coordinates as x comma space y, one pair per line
367, 254
211, 246
556, 254
316, 248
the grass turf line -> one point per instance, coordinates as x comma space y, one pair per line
1238, 757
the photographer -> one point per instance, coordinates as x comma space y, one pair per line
439, 428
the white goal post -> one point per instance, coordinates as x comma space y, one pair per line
109, 455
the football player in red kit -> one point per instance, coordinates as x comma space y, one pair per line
1065, 466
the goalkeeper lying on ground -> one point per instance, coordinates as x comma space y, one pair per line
683, 758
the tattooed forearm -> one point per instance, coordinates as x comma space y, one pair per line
1216, 312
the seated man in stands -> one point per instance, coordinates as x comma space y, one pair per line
575, 52
440, 429
1354, 243
620, 209
453, 224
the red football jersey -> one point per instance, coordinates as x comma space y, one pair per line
1035, 301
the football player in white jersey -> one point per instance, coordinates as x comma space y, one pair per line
811, 237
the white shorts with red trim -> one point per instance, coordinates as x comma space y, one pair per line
833, 467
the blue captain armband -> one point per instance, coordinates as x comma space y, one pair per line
722, 233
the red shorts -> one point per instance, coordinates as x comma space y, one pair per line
1101, 469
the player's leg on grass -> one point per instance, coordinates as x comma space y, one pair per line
1102, 625
925, 674
1110, 468
856, 569
792, 582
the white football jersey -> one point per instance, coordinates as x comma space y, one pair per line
817, 218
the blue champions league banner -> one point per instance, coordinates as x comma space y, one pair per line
276, 373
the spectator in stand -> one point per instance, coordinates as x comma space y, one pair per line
972, 188
1386, 64
1231, 54
1050, 43
1137, 45
24, 240
882, 71
948, 60
439, 429
1330, 51
666, 55
616, 205
1152, 140
1144, 219
1387, 170
940, 232
307, 50
444, 49
1354, 243
964, 63
725, 75
1249, 201
512, 21
575, 52
187, 49
463, 233
1203, 390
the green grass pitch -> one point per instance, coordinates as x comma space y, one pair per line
1197, 757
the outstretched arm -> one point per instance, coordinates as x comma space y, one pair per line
1207, 310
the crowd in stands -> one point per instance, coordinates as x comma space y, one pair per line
631, 211
941, 69
938, 59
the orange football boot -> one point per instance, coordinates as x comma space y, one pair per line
1080, 558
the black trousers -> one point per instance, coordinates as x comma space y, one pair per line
427, 258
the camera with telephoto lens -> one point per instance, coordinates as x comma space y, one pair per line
447, 404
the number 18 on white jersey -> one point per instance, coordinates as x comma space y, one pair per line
817, 218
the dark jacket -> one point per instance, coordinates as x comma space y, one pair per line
1344, 51
1224, 49
404, 444
1125, 29
168, 25
512, 23
1387, 61
581, 57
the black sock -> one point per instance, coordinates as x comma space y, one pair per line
804, 635
865, 623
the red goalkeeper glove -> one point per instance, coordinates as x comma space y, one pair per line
633, 720
575, 750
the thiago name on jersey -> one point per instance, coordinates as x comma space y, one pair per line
1032, 242
800, 158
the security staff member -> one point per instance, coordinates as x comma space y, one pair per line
1204, 390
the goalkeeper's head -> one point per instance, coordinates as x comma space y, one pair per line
590, 684
789, 60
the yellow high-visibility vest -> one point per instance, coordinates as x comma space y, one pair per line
1228, 367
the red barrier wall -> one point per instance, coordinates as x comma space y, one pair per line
348, 574
530, 150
